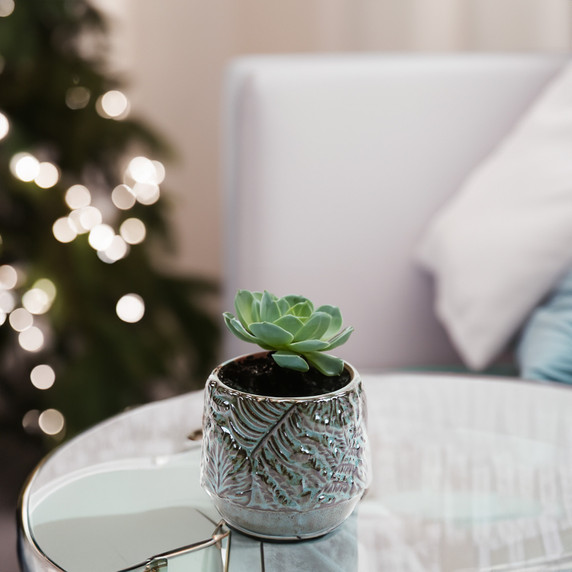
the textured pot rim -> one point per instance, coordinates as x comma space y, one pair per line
351, 385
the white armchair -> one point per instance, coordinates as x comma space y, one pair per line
333, 166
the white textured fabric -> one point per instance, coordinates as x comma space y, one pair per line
500, 244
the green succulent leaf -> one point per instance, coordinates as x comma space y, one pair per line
291, 326
243, 303
271, 334
308, 346
256, 307
237, 328
290, 361
290, 323
336, 322
326, 364
315, 327
294, 299
283, 306
269, 310
340, 338
302, 309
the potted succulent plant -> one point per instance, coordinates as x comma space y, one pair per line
285, 450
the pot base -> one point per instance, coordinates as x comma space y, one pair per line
284, 524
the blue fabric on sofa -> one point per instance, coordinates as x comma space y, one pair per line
544, 350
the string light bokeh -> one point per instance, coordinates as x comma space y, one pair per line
111, 237
96, 315
6, 8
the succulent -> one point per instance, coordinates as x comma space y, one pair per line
297, 333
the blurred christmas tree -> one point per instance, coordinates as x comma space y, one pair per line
89, 324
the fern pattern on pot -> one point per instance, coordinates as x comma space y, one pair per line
275, 453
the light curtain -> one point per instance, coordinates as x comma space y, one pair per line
496, 25
175, 52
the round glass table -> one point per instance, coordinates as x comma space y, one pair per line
469, 473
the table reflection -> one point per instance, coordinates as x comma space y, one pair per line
128, 515
469, 474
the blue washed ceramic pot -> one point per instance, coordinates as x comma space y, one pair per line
285, 467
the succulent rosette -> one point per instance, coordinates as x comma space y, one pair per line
291, 328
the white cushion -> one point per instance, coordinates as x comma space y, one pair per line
498, 246
333, 167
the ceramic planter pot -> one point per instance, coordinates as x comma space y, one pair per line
284, 467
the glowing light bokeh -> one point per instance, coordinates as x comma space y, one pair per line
8, 276
51, 421
36, 301
101, 237
130, 308
133, 231
113, 105
84, 219
90, 217
142, 170
24, 167
77, 97
21, 319
6, 8
147, 193
43, 376
7, 302
4, 126
48, 175
117, 249
30, 420
159, 172
123, 197
63, 230
3, 317
78, 196
74, 220
32, 339
104, 258
48, 287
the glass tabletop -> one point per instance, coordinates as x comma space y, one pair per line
129, 515
469, 473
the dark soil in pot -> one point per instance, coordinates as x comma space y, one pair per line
261, 375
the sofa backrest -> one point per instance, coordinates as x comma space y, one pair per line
333, 165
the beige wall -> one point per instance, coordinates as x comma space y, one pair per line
175, 52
